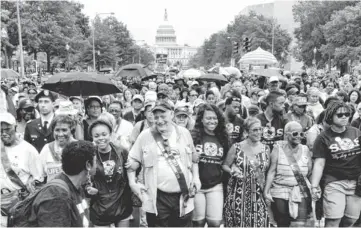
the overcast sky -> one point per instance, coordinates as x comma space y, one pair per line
193, 20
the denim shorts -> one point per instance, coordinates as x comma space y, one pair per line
339, 200
208, 204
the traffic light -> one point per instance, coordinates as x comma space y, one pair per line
247, 44
235, 47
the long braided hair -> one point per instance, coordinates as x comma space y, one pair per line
332, 109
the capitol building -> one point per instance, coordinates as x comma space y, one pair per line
166, 44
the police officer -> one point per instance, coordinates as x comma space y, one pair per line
38, 132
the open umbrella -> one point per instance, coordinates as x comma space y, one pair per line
211, 77
9, 73
80, 84
134, 70
234, 71
258, 57
268, 73
219, 70
191, 73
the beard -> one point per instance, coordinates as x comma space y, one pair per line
277, 112
231, 116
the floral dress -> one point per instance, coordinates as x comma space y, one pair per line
244, 203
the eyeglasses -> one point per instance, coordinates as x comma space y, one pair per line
94, 107
296, 134
114, 110
161, 96
29, 109
193, 95
32, 93
340, 115
301, 106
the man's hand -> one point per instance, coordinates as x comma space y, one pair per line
268, 197
138, 189
197, 184
315, 193
235, 171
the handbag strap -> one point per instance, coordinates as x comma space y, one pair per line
173, 163
298, 175
9, 171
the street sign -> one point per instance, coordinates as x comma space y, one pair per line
161, 58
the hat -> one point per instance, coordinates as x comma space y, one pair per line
150, 95
292, 91
163, 106
66, 108
92, 98
25, 103
138, 97
182, 108
15, 89
7, 118
148, 103
162, 93
75, 98
22, 95
32, 90
194, 83
274, 79
299, 101
198, 102
45, 93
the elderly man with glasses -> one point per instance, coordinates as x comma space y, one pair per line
168, 157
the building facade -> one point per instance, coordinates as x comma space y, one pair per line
166, 44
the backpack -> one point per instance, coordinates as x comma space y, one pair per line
20, 214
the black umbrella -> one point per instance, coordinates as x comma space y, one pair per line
134, 71
80, 84
213, 78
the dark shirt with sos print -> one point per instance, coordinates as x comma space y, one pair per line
113, 201
342, 153
272, 131
235, 130
211, 156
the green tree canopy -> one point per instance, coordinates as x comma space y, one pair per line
312, 16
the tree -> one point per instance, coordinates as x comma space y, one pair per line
9, 30
312, 15
219, 47
342, 34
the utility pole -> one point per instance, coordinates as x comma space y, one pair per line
20, 41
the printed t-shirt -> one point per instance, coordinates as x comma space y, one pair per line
50, 166
342, 153
211, 156
272, 131
235, 129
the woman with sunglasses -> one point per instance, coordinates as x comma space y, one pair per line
211, 141
247, 163
337, 167
287, 187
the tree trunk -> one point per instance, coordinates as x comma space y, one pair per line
6, 57
48, 61
35, 55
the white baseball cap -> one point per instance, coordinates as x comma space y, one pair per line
274, 79
7, 118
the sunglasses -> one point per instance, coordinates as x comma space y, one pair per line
340, 115
301, 106
29, 109
296, 134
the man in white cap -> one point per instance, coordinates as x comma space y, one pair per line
274, 84
20, 168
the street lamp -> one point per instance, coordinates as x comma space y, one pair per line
97, 14
314, 56
67, 50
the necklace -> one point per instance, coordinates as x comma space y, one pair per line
110, 152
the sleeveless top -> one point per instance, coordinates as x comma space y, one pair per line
285, 180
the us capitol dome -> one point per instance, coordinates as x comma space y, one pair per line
166, 45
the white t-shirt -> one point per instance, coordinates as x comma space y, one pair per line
49, 166
24, 160
166, 180
123, 131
